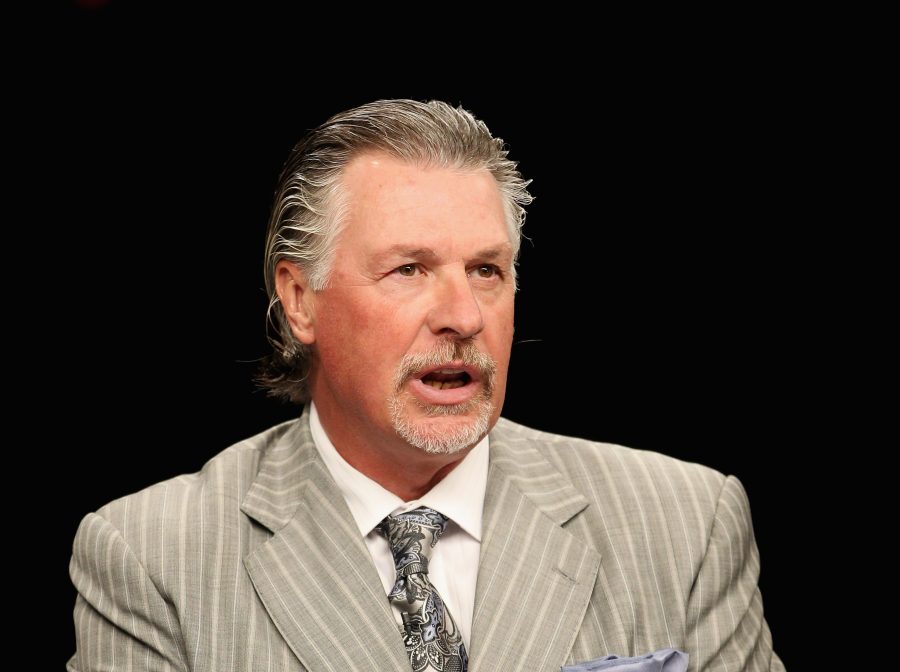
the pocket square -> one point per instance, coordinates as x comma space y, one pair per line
664, 660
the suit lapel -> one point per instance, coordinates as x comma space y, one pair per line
535, 578
315, 576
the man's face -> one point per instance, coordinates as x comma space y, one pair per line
413, 333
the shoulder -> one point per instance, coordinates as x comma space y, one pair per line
180, 505
605, 471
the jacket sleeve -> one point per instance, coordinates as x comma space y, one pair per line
122, 621
726, 626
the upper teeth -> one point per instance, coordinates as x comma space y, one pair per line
448, 371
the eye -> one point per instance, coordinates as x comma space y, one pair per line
407, 270
487, 271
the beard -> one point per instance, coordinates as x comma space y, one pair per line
467, 432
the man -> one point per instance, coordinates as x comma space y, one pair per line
400, 523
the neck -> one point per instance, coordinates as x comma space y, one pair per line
398, 467
407, 480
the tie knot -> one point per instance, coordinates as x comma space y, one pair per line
412, 535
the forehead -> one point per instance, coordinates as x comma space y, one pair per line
387, 199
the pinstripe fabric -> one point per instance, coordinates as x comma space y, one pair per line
678, 564
254, 563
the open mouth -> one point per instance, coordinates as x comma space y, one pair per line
446, 379
449, 383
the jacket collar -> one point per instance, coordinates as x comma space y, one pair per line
535, 578
316, 578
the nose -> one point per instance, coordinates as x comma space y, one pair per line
455, 311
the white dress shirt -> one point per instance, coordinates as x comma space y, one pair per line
453, 567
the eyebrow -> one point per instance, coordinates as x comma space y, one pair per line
492, 253
404, 251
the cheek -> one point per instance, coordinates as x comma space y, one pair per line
357, 337
501, 354
503, 319
498, 337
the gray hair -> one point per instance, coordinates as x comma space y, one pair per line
310, 205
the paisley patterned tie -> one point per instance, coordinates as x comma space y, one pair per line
431, 637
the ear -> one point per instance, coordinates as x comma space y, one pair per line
297, 300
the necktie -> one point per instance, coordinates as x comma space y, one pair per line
432, 639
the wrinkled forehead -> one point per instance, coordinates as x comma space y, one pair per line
389, 202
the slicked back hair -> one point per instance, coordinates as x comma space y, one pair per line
310, 205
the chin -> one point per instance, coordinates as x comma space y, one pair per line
441, 429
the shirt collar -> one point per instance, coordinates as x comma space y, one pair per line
459, 495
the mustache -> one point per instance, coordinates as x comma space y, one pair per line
445, 352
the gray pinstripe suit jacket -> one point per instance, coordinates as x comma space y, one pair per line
255, 563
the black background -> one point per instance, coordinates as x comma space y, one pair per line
658, 303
